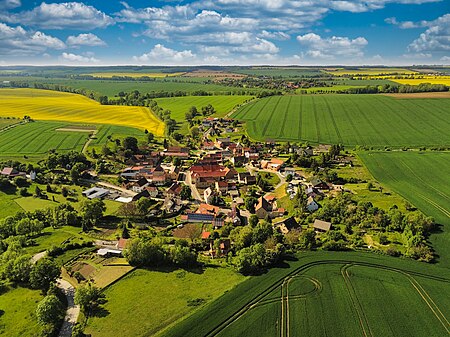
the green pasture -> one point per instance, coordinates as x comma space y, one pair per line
422, 178
369, 120
146, 302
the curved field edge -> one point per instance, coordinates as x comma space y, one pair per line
66, 107
366, 120
213, 317
421, 178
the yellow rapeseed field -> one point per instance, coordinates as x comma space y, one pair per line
136, 75
368, 71
61, 106
425, 79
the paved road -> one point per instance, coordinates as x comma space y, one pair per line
282, 178
194, 189
38, 256
73, 310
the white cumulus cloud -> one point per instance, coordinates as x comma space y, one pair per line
332, 47
435, 38
74, 58
85, 40
68, 15
163, 55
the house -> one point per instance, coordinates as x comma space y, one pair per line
197, 217
139, 185
238, 160
246, 178
208, 209
206, 235
208, 146
321, 226
172, 205
174, 190
319, 184
176, 151
222, 187
311, 205
107, 252
11, 172
262, 208
223, 143
273, 164
122, 244
286, 225
209, 195
289, 171
312, 192
223, 249
159, 178
152, 191
96, 193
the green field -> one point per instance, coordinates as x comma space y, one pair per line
422, 179
319, 291
4, 122
38, 138
371, 120
145, 302
180, 105
17, 312
280, 72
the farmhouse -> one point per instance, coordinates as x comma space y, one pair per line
286, 225
174, 190
311, 205
321, 226
273, 164
11, 172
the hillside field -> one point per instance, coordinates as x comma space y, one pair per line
180, 105
38, 138
134, 74
422, 179
60, 106
370, 120
314, 295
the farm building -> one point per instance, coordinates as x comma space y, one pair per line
286, 225
107, 252
11, 172
321, 226
96, 193
312, 205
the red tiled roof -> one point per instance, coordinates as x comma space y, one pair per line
205, 235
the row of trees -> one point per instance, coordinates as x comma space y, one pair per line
387, 88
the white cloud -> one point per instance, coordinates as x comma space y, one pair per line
85, 40
281, 36
9, 4
20, 42
436, 38
164, 55
74, 58
68, 15
332, 47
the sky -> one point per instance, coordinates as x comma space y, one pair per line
225, 32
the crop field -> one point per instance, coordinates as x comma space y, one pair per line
368, 71
38, 138
371, 120
373, 295
426, 79
60, 106
180, 105
5, 122
422, 179
280, 72
135, 75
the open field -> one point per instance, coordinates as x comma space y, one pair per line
180, 105
17, 308
422, 179
349, 120
280, 72
38, 138
315, 294
157, 299
368, 71
443, 94
134, 75
426, 79
4, 122
60, 106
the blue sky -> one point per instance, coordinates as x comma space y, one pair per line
225, 32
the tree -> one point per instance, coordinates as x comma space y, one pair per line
75, 172
38, 192
125, 233
150, 137
44, 272
89, 297
92, 211
143, 205
250, 204
195, 132
182, 256
251, 260
50, 310
144, 253
130, 143
253, 221
186, 193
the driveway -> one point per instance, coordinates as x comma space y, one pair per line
194, 189
73, 310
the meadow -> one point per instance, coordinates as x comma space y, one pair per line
61, 106
423, 180
367, 120
158, 299
300, 299
180, 105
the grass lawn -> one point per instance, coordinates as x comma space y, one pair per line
146, 302
17, 308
